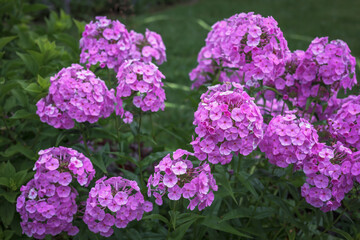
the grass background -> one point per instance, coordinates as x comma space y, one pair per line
183, 29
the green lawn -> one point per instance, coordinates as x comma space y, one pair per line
180, 27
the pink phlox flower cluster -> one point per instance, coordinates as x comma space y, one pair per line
114, 202
251, 45
60, 165
288, 140
142, 82
177, 177
345, 124
330, 63
147, 48
46, 208
330, 174
321, 71
106, 42
227, 121
75, 94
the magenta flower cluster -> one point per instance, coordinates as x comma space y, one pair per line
61, 165
345, 124
142, 82
288, 140
109, 43
244, 48
147, 48
325, 67
47, 203
227, 121
46, 208
75, 94
114, 202
330, 174
106, 42
177, 177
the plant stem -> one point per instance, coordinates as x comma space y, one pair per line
139, 150
83, 130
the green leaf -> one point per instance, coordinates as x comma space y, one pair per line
33, 88
29, 62
226, 184
244, 181
158, 217
181, 230
216, 223
99, 162
7, 211
7, 169
23, 114
43, 82
4, 181
203, 24
80, 25
6, 40
18, 148
9, 196
342, 233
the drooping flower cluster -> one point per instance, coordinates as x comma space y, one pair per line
177, 177
60, 165
114, 202
47, 203
227, 120
345, 125
142, 82
46, 209
331, 173
75, 94
147, 48
288, 140
246, 48
106, 42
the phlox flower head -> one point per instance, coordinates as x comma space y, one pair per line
106, 42
61, 165
115, 201
227, 121
324, 69
345, 124
147, 48
140, 82
176, 177
75, 94
330, 173
288, 140
46, 208
245, 48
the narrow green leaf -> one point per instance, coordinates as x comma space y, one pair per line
7, 211
216, 223
33, 88
342, 233
203, 24
226, 184
181, 230
6, 40
23, 114
158, 217
244, 181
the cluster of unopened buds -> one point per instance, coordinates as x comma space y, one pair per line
227, 121
177, 177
